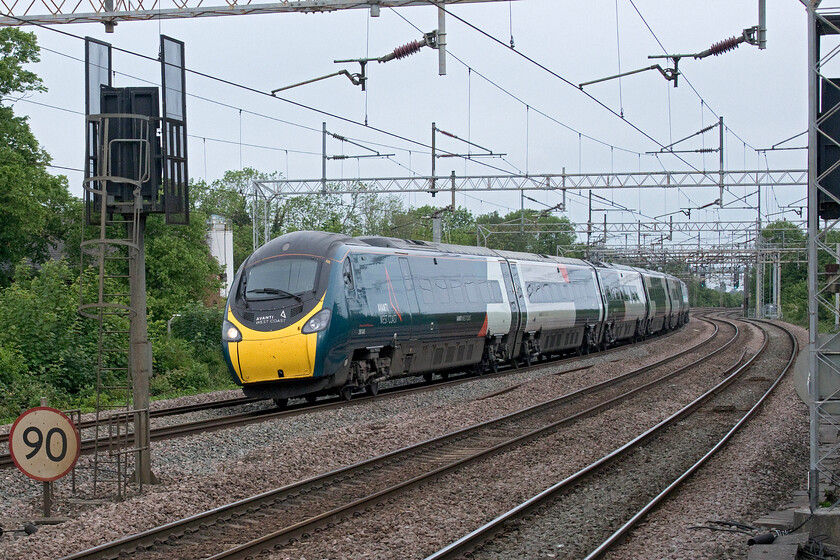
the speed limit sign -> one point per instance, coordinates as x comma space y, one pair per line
44, 443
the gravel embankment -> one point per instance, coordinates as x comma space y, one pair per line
208, 470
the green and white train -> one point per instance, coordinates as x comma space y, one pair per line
311, 312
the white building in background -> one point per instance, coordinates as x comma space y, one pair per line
220, 240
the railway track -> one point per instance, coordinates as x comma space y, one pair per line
199, 426
171, 411
286, 516
531, 528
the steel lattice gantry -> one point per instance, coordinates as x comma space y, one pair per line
547, 181
264, 194
111, 12
823, 202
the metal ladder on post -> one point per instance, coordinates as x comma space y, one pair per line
110, 255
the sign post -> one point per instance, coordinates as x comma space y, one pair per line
44, 445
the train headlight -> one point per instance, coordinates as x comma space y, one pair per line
317, 322
230, 333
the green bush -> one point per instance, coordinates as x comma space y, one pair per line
12, 366
193, 378
159, 386
170, 353
200, 325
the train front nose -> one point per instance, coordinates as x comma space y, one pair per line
287, 353
290, 356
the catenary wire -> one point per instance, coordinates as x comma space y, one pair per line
262, 93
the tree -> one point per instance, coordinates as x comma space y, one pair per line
227, 197
31, 200
179, 267
531, 231
457, 227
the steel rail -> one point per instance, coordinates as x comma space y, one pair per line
487, 531
148, 538
613, 539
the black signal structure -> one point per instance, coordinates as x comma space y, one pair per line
136, 141
135, 165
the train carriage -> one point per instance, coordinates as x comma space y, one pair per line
562, 308
313, 312
658, 301
625, 302
679, 301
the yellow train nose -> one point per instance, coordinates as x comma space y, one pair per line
281, 357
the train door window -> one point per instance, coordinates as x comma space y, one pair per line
426, 290
347, 274
457, 291
441, 291
406, 273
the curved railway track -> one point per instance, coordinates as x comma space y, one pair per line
261, 415
281, 518
530, 529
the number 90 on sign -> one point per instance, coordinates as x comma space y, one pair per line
44, 443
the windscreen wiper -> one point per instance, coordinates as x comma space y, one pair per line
274, 291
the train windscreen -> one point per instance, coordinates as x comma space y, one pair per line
281, 278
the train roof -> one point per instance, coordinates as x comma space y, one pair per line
416, 245
311, 242
617, 266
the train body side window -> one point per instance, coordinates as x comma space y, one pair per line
426, 290
496, 291
472, 292
457, 291
440, 290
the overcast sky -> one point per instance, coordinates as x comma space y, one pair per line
491, 95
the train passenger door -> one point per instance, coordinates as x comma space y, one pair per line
522, 322
512, 299
411, 296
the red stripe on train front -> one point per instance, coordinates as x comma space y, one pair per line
483, 331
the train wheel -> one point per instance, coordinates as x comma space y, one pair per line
478, 369
311, 399
281, 403
346, 393
494, 365
444, 376
372, 388
427, 377
527, 359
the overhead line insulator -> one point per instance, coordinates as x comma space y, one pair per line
725, 45
403, 51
